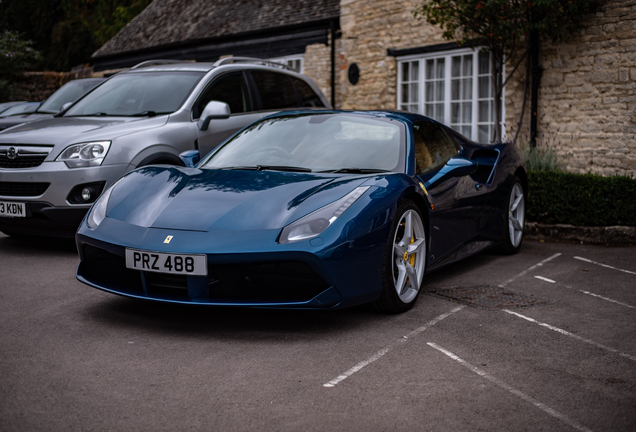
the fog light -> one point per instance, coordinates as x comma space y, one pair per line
86, 194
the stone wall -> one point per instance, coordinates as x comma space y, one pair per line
587, 98
37, 86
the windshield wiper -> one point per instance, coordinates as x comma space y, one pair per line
97, 114
269, 168
356, 170
147, 114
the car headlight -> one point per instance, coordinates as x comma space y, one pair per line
97, 213
85, 154
315, 223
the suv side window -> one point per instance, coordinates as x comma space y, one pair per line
433, 147
275, 89
308, 98
229, 88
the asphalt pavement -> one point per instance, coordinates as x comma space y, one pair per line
75, 358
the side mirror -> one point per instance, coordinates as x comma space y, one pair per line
455, 167
190, 158
65, 106
214, 110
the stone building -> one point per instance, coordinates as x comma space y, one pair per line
384, 58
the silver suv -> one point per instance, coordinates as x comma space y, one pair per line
51, 170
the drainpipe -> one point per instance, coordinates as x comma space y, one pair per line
536, 78
332, 27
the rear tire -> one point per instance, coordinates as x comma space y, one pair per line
514, 220
404, 261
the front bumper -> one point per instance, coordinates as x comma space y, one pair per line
49, 213
337, 273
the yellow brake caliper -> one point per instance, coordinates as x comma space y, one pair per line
412, 257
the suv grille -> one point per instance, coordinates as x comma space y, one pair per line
23, 189
276, 281
22, 156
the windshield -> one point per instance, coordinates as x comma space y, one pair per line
69, 92
25, 108
316, 142
148, 93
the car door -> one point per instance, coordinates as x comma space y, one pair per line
232, 89
457, 202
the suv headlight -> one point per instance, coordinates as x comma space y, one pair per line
85, 154
315, 223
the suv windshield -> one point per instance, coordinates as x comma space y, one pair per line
136, 94
348, 143
69, 92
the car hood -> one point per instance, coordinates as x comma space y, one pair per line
228, 200
10, 121
62, 131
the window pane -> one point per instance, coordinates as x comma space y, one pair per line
441, 68
439, 113
466, 131
439, 91
275, 89
308, 97
430, 110
467, 90
467, 69
405, 93
455, 113
433, 146
430, 91
231, 89
483, 134
467, 112
483, 112
415, 71
456, 66
430, 64
405, 72
484, 63
455, 89
414, 91
484, 87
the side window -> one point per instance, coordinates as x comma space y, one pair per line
433, 146
231, 89
308, 98
276, 90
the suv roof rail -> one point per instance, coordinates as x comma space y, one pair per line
229, 60
155, 62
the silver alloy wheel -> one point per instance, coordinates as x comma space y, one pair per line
409, 252
516, 215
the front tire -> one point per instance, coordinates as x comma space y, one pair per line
514, 220
404, 261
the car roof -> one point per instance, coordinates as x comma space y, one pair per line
173, 67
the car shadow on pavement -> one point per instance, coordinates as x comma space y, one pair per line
227, 322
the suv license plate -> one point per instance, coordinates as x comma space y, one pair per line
159, 262
12, 209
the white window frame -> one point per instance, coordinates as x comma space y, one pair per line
419, 106
290, 60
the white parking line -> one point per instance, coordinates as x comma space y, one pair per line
530, 269
587, 292
382, 352
545, 279
533, 401
566, 333
604, 265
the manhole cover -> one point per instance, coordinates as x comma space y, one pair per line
487, 297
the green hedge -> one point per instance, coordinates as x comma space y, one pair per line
581, 199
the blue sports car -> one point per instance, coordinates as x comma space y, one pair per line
306, 209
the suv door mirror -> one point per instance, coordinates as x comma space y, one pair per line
65, 106
455, 167
214, 110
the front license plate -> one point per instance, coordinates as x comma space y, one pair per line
158, 262
12, 209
